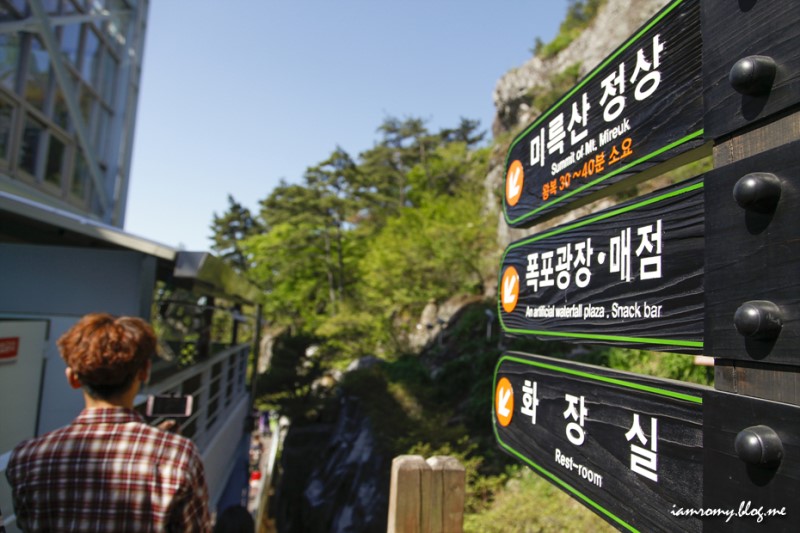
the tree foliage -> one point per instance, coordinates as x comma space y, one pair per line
580, 13
430, 252
230, 229
359, 240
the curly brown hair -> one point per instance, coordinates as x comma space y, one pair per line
106, 351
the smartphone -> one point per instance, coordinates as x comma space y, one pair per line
178, 406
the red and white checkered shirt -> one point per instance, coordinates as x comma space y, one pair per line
109, 471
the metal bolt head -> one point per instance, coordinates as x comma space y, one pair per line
759, 445
753, 75
758, 319
758, 191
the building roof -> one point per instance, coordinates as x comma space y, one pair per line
24, 221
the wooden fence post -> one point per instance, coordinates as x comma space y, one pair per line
426, 496
411, 479
448, 490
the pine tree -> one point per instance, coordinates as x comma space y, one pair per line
229, 230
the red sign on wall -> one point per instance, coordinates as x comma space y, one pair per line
9, 348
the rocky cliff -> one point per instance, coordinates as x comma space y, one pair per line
335, 477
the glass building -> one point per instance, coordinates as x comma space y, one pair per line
69, 85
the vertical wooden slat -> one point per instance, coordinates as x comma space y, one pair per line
437, 495
449, 491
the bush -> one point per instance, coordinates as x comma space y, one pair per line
580, 14
528, 503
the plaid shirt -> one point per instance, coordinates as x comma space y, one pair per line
109, 471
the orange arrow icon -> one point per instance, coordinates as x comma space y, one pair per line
504, 402
510, 289
514, 179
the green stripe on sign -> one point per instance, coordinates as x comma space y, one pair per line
605, 216
604, 379
696, 134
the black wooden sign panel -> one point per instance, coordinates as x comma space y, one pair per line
640, 107
627, 276
629, 447
752, 255
733, 31
744, 491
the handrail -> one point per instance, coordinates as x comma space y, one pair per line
278, 429
180, 375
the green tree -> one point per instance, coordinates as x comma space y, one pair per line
384, 168
321, 211
399, 227
330, 182
228, 232
287, 267
430, 252
452, 170
467, 132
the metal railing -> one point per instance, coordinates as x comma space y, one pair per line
216, 384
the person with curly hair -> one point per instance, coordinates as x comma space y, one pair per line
108, 470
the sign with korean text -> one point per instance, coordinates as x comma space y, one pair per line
628, 276
629, 447
639, 109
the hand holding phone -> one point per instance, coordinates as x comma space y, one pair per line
170, 425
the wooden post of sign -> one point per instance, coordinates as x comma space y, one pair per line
751, 102
426, 496
749, 428
751, 378
751, 71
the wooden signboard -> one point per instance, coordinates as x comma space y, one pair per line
627, 276
706, 266
629, 447
640, 108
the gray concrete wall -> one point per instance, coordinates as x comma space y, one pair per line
61, 284
52, 280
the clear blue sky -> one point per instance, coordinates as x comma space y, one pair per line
236, 95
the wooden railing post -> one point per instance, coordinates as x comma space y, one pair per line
409, 474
